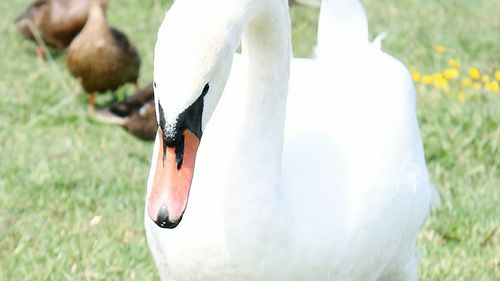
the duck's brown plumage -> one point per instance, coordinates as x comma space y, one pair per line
57, 21
136, 114
101, 56
142, 123
134, 102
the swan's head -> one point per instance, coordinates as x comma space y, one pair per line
192, 61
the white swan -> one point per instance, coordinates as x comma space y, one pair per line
339, 192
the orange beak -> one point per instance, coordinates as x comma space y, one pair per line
172, 180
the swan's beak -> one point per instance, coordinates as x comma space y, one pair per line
172, 179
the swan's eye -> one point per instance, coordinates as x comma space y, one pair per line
154, 84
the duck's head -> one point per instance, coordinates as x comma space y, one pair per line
32, 17
97, 11
192, 61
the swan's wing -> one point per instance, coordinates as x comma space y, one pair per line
342, 26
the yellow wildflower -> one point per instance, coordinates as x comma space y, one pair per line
466, 82
474, 73
461, 96
439, 48
497, 75
486, 79
476, 86
437, 75
451, 73
439, 81
454, 63
495, 87
426, 79
415, 75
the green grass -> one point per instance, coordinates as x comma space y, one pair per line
59, 168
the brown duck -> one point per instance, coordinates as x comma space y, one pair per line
136, 114
56, 21
102, 56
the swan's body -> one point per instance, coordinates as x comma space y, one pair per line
336, 188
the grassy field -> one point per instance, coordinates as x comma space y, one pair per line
72, 189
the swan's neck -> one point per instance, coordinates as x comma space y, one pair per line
266, 53
252, 188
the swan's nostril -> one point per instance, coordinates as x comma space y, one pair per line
163, 221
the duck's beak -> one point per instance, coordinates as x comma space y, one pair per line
171, 180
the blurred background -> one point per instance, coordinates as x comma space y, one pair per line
72, 188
